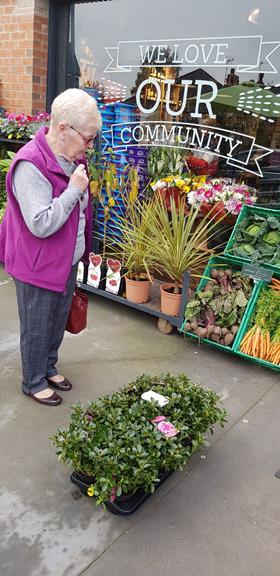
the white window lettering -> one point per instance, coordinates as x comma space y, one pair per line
232, 148
169, 83
147, 56
198, 137
220, 54
168, 135
138, 95
196, 50
138, 133
175, 59
122, 135
161, 54
207, 98
207, 56
152, 132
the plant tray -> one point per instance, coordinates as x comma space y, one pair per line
245, 326
123, 506
245, 212
221, 262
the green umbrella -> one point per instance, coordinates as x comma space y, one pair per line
260, 102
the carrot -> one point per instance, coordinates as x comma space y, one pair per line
256, 343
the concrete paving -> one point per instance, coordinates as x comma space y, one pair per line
221, 516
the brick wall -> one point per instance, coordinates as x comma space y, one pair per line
23, 55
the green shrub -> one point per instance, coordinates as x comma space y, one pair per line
113, 440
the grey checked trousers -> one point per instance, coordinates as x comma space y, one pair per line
43, 316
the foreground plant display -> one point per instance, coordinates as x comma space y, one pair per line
116, 440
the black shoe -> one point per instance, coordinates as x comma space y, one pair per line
63, 386
52, 400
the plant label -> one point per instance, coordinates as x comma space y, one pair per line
257, 273
113, 276
151, 395
80, 273
165, 427
94, 270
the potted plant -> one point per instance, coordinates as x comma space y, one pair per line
131, 246
117, 448
177, 243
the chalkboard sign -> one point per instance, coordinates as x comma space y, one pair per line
257, 273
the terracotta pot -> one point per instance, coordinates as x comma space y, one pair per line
138, 291
170, 303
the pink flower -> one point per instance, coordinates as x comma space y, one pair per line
113, 495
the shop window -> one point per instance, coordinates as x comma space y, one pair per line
202, 77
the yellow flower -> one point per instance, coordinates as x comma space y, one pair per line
94, 187
186, 188
111, 202
180, 183
168, 179
90, 490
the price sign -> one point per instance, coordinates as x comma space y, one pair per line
257, 273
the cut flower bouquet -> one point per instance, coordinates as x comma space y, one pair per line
228, 196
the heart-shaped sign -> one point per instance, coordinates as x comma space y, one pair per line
95, 259
115, 265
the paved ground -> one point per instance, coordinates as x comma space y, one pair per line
220, 517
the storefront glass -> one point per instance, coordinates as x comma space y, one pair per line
200, 79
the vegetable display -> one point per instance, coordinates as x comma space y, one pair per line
217, 309
258, 238
262, 340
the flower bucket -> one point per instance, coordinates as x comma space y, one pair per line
138, 291
169, 302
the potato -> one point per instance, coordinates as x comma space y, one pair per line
215, 337
218, 330
229, 339
234, 329
224, 331
187, 327
214, 273
201, 332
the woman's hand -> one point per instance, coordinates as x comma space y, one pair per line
79, 178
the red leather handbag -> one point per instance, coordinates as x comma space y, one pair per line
77, 319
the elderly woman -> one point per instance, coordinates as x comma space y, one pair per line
46, 230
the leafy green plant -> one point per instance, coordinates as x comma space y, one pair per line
131, 244
178, 242
164, 161
113, 441
4, 167
258, 238
218, 307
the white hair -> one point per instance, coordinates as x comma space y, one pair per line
75, 106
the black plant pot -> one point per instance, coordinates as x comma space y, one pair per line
123, 505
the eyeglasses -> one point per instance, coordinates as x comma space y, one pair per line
86, 141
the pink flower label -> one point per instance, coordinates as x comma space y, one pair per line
167, 429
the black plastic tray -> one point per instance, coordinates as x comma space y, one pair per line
123, 506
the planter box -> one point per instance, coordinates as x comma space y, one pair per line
221, 262
246, 212
124, 505
245, 328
